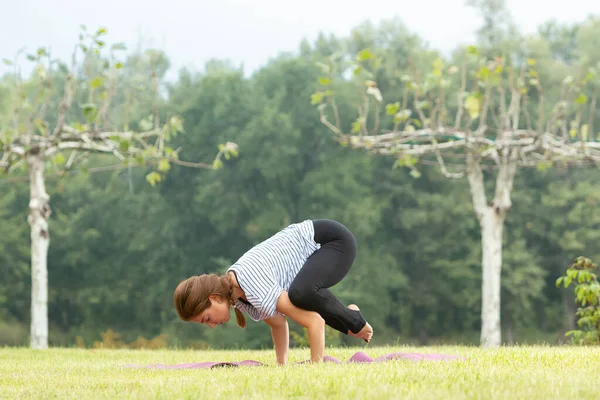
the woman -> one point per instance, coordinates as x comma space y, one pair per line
289, 274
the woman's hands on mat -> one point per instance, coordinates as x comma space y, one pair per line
281, 337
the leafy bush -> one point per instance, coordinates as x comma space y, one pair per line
587, 295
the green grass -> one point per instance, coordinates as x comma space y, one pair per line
506, 373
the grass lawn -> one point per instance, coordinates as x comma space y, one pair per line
506, 373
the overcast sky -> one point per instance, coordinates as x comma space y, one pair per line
248, 31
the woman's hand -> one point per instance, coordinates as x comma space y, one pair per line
281, 337
311, 320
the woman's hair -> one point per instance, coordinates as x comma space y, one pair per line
191, 295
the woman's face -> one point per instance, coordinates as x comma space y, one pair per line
216, 314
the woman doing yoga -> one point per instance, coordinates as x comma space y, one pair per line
287, 275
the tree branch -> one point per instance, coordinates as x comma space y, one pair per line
5, 161
592, 113
73, 161
58, 174
335, 129
190, 164
486, 104
475, 177
531, 148
68, 96
10, 156
444, 170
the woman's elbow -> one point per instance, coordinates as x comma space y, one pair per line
278, 321
316, 322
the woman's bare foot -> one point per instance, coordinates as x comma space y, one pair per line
366, 333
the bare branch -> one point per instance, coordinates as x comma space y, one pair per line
16, 150
419, 109
59, 174
411, 149
103, 145
331, 99
334, 129
530, 147
486, 104
503, 123
11, 154
71, 159
5, 161
68, 96
336, 113
90, 146
526, 111
363, 114
540, 124
155, 94
520, 86
190, 164
227, 148
592, 114
461, 93
444, 170
377, 112
110, 94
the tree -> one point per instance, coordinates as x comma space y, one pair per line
44, 129
498, 25
492, 114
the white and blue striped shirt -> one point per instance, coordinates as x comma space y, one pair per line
269, 268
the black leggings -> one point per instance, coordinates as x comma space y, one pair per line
323, 269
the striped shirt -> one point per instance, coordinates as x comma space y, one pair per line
269, 268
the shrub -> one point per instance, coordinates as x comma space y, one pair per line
587, 294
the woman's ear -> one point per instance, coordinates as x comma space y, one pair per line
215, 298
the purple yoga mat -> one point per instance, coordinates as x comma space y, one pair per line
359, 357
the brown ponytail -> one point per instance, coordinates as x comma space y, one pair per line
191, 296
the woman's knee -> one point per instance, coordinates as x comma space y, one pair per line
302, 296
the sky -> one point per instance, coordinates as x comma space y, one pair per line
248, 32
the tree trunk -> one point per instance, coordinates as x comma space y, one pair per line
491, 221
39, 212
492, 226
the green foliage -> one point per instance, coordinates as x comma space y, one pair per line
119, 245
14, 262
587, 297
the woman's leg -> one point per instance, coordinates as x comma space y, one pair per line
325, 268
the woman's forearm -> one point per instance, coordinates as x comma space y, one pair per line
316, 336
281, 340
308, 319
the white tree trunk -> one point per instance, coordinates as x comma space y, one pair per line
39, 212
491, 220
492, 226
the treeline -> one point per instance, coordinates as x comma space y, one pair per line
119, 246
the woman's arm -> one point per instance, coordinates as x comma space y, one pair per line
281, 337
311, 320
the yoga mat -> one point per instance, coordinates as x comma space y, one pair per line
359, 357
